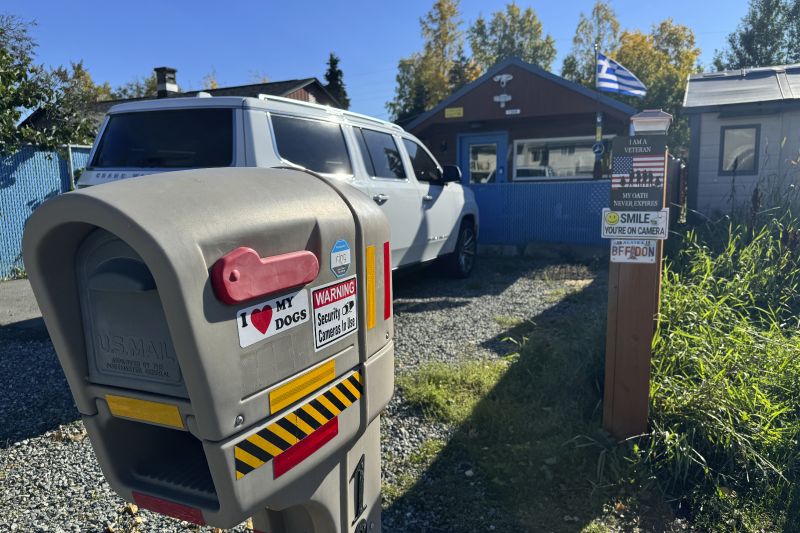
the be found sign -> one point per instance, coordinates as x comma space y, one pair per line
635, 224
633, 251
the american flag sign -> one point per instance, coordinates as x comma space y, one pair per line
637, 171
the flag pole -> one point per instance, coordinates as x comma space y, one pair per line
598, 130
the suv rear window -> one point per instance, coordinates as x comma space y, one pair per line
313, 144
178, 138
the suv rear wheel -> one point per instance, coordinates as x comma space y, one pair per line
461, 262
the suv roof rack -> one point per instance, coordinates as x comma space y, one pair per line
331, 110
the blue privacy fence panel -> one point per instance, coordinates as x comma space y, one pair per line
28, 178
566, 212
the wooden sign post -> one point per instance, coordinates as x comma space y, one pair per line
637, 224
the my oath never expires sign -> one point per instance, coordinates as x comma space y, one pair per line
638, 173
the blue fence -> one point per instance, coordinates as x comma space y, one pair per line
28, 178
561, 212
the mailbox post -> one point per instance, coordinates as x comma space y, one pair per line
637, 223
227, 336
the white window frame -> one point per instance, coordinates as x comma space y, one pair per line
546, 140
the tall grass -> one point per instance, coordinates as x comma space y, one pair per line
725, 388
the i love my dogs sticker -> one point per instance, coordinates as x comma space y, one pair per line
264, 320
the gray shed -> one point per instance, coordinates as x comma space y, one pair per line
745, 132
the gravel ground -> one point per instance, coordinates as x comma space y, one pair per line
50, 480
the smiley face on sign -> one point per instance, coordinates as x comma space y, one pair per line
269, 318
612, 218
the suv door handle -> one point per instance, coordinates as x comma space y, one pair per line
380, 199
427, 198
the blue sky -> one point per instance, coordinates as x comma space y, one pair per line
243, 40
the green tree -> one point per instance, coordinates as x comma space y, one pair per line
67, 116
767, 35
410, 94
463, 71
662, 60
60, 97
600, 27
145, 87
423, 79
335, 81
513, 33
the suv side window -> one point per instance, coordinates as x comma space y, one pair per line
313, 144
425, 168
381, 156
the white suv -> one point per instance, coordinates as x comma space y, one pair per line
430, 213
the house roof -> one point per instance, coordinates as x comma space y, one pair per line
533, 69
275, 88
746, 86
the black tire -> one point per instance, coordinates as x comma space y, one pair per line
461, 262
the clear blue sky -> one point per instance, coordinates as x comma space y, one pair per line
242, 40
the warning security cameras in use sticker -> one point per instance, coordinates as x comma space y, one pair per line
335, 312
261, 321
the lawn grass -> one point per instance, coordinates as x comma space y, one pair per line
528, 453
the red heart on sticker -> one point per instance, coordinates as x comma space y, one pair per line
261, 318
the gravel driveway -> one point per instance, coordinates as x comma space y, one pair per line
50, 480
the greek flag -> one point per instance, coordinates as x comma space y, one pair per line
614, 78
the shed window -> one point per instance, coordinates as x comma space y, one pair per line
738, 150
536, 159
313, 144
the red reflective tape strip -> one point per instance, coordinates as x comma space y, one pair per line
387, 281
303, 449
165, 507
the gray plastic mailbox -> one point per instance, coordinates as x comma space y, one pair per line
227, 337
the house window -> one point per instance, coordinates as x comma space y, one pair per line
482, 163
541, 159
738, 149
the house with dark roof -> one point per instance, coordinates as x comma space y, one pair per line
525, 140
745, 133
305, 89
519, 123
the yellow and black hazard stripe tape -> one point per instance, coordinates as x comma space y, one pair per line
260, 448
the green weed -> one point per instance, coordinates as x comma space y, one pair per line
725, 387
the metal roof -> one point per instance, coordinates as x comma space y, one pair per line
745, 86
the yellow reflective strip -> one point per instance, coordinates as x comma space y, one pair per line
265, 445
301, 386
371, 310
328, 405
305, 428
342, 398
357, 375
145, 411
353, 390
239, 475
295, 420
313, 412
282, 433
246, 458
